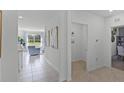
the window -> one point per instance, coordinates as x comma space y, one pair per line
34, 40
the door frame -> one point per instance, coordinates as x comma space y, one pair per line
82, 25
0, 31
69, 61
111, 36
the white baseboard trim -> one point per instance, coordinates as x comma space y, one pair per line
51, 64
78, 60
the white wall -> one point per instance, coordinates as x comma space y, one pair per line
52, 54
85, 42
63, 45
117, 20
69, 61
78, 48
96, 32
57, 57
20, 32
9, 47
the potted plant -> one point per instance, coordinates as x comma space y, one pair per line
113, 33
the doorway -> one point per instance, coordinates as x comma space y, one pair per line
35, 58
79, 47
35, 43
117, 54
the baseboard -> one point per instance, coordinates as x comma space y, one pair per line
78, 60
51, 64
92, 69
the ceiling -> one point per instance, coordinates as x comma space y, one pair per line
106, 13
36, 20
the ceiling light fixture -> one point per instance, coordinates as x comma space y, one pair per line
20, 17
110, 10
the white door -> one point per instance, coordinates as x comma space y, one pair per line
85, 42
79, 42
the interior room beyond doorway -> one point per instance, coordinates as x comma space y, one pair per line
79, 43
118, 47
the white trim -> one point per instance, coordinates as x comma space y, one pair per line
31, 30
51, 64
68, 46
69, 59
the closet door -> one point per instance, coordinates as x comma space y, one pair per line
0, 31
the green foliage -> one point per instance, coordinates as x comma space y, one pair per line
21, 40
113, 33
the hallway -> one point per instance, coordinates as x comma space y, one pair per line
36, 69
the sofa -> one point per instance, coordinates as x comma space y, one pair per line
33, 51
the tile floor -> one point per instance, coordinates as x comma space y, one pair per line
79, 74
36, 69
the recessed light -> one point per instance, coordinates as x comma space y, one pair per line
110, 10
20, 17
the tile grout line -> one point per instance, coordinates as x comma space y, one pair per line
32, 72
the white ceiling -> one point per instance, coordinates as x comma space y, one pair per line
105, 13
35, 20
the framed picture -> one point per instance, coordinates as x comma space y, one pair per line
48, 38
48, 41
51, 38
54, 37
0, 31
